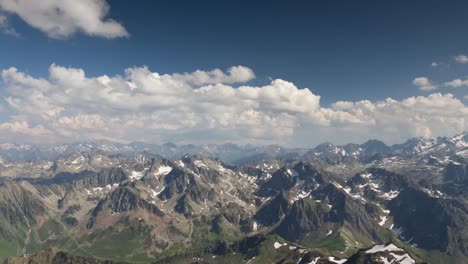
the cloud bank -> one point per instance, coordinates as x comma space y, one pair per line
64, 18
206, 106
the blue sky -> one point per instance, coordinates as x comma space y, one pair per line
340, 50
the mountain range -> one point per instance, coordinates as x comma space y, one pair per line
238, 154
103, 202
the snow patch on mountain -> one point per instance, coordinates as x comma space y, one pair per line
380, 248
277, 245
338, 261
163, 171
389, 195
136, 175
400, 258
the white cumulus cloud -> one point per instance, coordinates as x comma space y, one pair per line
461, 59
64, 18
424, 84
205, 106
456, 83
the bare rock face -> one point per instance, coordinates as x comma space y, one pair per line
273, 211
416, 211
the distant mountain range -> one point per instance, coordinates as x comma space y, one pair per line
100, 202
237, 154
